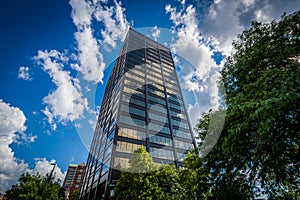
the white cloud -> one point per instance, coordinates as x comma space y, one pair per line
12, 129
155, 33
43, 167
91, 60
81, 12
199, 72
66, 102
91, 63
24, 73
193, 111
12, 123
114, 21
225, 19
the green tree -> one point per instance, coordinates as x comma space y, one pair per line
259, 146
215, 176
195, 178
262, 84
146, 180
75, 194
35, 187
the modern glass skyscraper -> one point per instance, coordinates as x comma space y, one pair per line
142, 106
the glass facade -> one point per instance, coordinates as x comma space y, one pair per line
142, 106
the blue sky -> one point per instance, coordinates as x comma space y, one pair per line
56, 58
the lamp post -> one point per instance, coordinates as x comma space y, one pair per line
50, 176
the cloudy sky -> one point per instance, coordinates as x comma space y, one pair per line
56, 58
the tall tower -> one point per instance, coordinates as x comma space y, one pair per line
142, 106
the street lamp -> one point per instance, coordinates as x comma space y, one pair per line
50, 176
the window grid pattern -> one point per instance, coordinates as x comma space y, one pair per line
127, 147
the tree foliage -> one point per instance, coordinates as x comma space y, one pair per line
258, 150
262, 83
35, 187
146, 180
75, 194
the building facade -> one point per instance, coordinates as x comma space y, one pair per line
73, 179
142, 106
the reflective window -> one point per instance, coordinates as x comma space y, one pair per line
159, 128
152, 78
133, 110
111, 137
180, 124
172, 105
161, 153
153, 68
132, 121
182, 134
135, 76
127, 147
131, 91
105, 167
132, 83
156, 92
160, 140
130, 133
183, 145
154, 72
157, 100
181, 156
157, 107
175, 98
159, 117
108, 151
172, 86
133, 100
157, 65
121, 163
155, 85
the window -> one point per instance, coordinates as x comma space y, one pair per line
154, 72
180, 124
181, 156
153, 68
111, 137
159, 128
157, 100
132, 121
121, 163
157, 107
133, 100
130, 133
172, 86
127, 147
133, 110
175, 98
156, 91
152, 78
131, 91
177, 107
105, 167
135, 76
132, 83
153, 64
183, 145
182, 134
160, 140
158, 117
108, 151
161, 153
